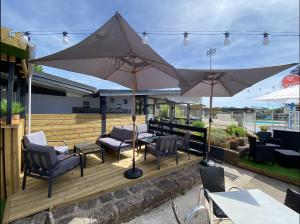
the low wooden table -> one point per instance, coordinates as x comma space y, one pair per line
88, 148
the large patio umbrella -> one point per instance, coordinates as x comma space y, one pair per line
115, 52
222, 83
286, 95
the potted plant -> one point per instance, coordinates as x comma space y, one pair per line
17, 108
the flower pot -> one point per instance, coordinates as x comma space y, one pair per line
242, 141
234, 144
15, 119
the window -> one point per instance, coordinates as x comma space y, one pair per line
112, 100
86, 104
125, 101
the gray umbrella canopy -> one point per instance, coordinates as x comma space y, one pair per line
113, 53
227, 82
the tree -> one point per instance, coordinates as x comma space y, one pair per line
38, 68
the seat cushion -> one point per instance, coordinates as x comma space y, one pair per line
37, 138
62, 149
67, 164
145, 135
112, 143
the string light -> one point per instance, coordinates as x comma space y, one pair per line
65, 38
266, 40
185, 38
145, 38
226, 40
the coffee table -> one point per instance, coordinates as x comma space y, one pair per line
287, 158
145, 141
86, 148
253, 207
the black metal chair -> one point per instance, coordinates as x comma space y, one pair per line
292, 200
213, 180
184, 144
43, 163
165, 146
261, 152
267, 138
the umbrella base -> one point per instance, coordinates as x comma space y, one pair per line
133, 173
207, 162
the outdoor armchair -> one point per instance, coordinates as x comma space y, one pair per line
165, 146
43, 163
39, 138
213, 180
267, 138
184, 144
119, 139
292, 200
261, 152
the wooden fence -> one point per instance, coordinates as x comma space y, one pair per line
75, 128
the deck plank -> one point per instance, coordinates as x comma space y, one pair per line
98, 179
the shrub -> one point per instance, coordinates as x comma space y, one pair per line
219, 137
164, 112
264, 128
235, 131
199, 124
17, 107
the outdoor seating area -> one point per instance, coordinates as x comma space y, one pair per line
120, 127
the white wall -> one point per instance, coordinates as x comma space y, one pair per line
47, 104
119, 102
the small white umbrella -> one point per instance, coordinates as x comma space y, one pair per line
222, 83
287, 96
116, 52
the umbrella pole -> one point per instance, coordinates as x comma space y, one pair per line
134, 172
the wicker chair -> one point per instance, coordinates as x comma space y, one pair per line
292, 200
43, 163
184, 144
261, 152
165, 146
213, 181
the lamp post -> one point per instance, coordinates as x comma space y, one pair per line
211, 52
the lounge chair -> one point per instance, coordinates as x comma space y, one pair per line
165, 146
39, 138
42, 162
213, 180
260, 151
118, 140
292, 200
184, 144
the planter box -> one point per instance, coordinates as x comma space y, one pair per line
226, 155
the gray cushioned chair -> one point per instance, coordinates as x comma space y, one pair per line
292, 200
184, 144
165, 146
142, 131
119, 139
39, 138
42, 162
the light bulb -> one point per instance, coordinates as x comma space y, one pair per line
65, 38
185, 38
266, 40
25, 37
226, 40
145, 38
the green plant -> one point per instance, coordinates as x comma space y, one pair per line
219, 137
38, 68
199, 124
235, 131
264, 128
16, 107
163, 111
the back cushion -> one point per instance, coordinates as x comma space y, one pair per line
46, 152
142, 128
116, 132
37, 138
125, 135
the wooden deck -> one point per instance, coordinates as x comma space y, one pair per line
98, 178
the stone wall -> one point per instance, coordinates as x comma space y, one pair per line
126, 203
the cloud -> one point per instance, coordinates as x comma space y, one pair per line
170, 15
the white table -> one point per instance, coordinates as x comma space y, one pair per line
253, 207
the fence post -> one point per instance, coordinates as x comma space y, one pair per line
254, 121
272, 117
244, 121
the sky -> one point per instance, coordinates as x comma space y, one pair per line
172, 15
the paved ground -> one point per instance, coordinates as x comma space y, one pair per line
245, 180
